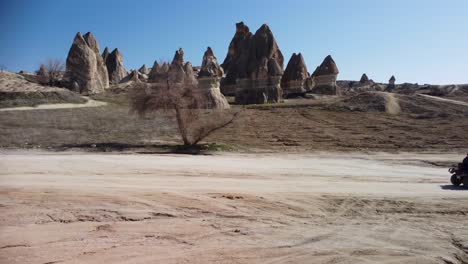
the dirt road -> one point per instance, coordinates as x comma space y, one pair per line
230, 208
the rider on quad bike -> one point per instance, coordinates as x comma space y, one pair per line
460, 174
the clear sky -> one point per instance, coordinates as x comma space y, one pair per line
424, 41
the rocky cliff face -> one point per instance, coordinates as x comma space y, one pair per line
85, 66
294, 80
115, 67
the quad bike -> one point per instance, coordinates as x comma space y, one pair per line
459, 175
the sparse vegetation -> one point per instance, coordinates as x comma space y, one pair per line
16, 90
15, 99
194, 123
51, 72
290, 127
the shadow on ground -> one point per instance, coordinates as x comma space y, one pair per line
200, 149
454, 188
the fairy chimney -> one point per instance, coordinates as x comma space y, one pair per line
208, 93
143, 69
115, 67
324, 77
294, 80
391, 84
85, 65
237, 59
264, 70
364, 79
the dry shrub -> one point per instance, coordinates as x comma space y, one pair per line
51, 72
194, 122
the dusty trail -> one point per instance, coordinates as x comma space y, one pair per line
444, 100
89, 103
230, 208
391, 103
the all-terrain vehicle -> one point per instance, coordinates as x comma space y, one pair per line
459, 175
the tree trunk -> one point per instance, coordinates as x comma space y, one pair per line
182, 126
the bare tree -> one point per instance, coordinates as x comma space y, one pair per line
51, 71
194, 123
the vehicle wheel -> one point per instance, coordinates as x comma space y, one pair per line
455, 181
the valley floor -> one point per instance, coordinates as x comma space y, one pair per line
319, 207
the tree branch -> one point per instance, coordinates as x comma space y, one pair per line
208, 132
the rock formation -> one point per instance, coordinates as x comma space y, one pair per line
115, 67
85, 65
208, 93
143, 69
265, 57
364, 79
133, 76
324, 77
237, 59
294, 80
105, 54
165, 67
158, 73
189, 74
363, 85
196, 70
176, 72
42, 71
391, 84
210, 66
154, 72
42, 75
261, 82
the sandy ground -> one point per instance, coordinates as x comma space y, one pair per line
230, 208
90, 103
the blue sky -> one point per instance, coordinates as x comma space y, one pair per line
424, 41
